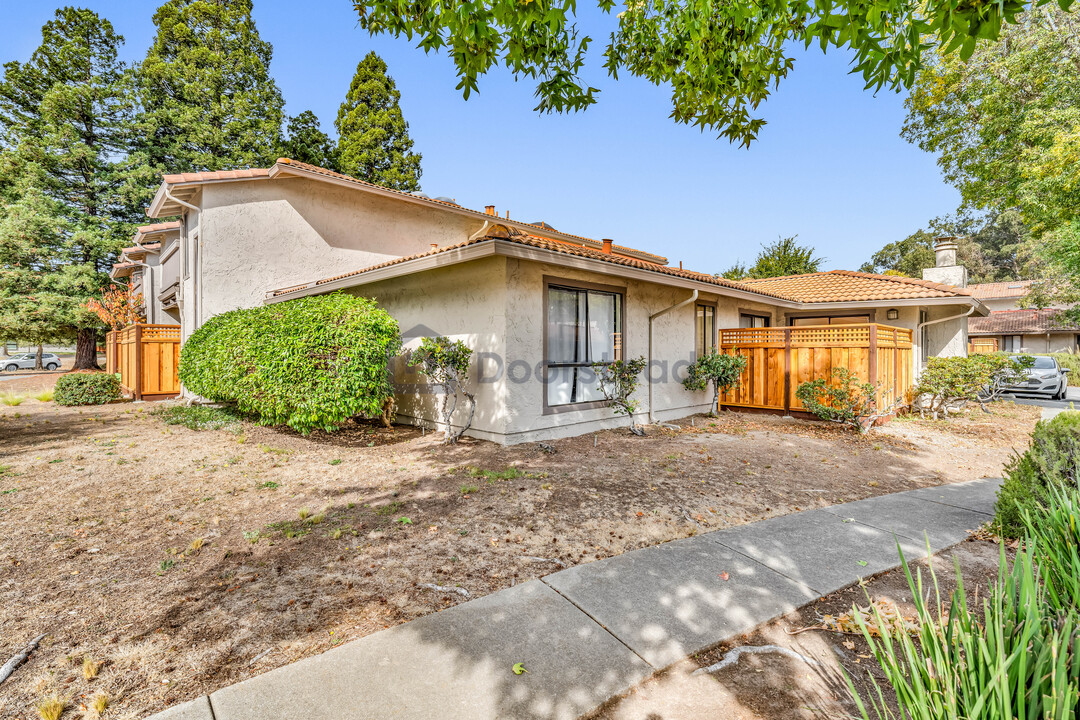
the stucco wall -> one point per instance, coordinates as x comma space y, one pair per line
1055, 342
948, 338
263, 235
466, 302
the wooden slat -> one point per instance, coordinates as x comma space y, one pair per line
780, 359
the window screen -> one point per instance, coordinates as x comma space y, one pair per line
583, 327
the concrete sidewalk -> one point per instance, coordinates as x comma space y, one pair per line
591, 632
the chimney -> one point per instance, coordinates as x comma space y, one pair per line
946, 269
945, 251
489, 210
434, 247
607, 246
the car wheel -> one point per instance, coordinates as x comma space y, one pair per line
51, 366
12, 367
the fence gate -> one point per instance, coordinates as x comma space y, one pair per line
147, 358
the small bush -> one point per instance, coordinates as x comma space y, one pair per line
718, 369
844, 400
618, 382
308, 363
446, 362
86, 389
949, 383
1052, 461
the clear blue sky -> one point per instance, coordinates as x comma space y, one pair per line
830, 164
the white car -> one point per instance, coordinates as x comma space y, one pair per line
1046, 377
26, 361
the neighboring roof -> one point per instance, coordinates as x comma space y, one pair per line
1012, 289
1020, 322
285, 167
516, 237
851, 286
141, 248
158, 227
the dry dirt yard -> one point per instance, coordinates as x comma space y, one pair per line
185, 560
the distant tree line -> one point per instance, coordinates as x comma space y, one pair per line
85, 138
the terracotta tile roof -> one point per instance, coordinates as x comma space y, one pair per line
215, 175
851, 286
124, 265
564, 248
140, 248
1012, 289
1020, 322
158, 227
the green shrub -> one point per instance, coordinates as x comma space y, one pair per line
1018, 658
83, 388
718, 369
845, 400
446, 362
618, 382
1053, 460
949, 383
308, 363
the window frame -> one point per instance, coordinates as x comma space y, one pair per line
571, 284
752, 314
868, 315
698, 350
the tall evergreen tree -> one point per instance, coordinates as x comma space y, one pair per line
65, 124
374, 142
208, 100
306, 142
783, 257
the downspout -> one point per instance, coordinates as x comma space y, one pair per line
648, 365
480, 233
920, 326
178, 201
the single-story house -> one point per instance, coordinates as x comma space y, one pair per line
1010, 328
537, 305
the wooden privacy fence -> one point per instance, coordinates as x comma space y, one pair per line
147, 358
982, 345
779, 359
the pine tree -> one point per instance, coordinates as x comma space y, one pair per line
208, 100
374, 142
307, 143
65, 124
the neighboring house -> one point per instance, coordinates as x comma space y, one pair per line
536, 305
1010, 328
151, 269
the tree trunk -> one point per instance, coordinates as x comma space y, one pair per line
37, 358
86, 350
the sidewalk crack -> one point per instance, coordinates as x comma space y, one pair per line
602, 625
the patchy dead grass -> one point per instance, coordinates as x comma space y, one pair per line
178, 557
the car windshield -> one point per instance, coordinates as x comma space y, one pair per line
1044, 363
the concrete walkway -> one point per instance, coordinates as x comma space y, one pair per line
593, 631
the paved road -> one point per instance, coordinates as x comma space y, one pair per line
1050, 407
593, 631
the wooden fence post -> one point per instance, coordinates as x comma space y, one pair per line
137, 390
787, 371
872, 370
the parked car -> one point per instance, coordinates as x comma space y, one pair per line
26, 361
1046, 377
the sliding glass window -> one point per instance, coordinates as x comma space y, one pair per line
584, 326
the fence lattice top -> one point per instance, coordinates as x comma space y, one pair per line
855, 335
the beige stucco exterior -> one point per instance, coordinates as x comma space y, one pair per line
241, 239
252, 236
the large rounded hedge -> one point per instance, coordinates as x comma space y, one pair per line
307, 363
